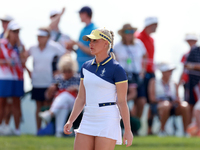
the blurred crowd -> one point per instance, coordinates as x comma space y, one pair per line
55, 76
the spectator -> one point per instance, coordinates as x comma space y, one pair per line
83, 52
5, 21
165, 100
130, 53
11, 82
42, 74
56, 34
151, 24
64, 91
191, 39
192, 65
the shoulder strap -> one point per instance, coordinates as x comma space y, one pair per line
57, 36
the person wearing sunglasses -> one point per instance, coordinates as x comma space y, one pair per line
11, 76
131, 54
102, 94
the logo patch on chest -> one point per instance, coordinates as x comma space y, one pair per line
103, 72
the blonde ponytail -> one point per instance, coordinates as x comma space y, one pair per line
111, 52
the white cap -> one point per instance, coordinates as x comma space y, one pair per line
191, 37
42, 33
166, 67
13, 25
54, 12
150, 20
6, 18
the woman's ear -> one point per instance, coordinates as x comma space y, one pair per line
106, 44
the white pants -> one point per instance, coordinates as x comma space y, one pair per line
61, 107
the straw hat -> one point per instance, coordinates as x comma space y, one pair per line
126, 27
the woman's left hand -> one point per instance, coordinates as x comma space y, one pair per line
128, 138
67, 128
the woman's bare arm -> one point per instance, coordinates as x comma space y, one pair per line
78, 107
124, 111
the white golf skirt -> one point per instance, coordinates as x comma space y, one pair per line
101, 121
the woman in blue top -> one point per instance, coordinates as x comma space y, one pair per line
102, 94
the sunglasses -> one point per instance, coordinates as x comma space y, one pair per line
129, 31
66, 71
15, 31
4, 21
53, 16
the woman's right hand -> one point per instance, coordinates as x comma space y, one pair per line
67, 128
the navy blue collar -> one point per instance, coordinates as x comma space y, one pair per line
103, 62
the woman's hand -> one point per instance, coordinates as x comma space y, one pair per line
128, 138
67, 128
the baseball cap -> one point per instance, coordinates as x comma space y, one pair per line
86, 9
191, 36
6, 18
163, 67
95, 35
54, 12
150, 20
13, 25
42, 33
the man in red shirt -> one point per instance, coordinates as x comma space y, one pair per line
151, 24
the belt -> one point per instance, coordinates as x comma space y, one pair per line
106, 104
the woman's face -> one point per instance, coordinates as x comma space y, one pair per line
67, 74
98, 46
43, 40
14, 36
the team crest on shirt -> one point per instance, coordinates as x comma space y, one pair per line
103, 72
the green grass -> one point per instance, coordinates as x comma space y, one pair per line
30, 142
